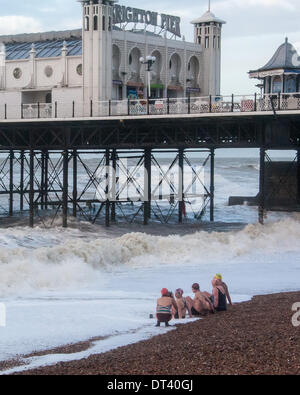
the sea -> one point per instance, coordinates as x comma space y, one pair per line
62, 286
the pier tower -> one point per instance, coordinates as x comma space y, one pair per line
97, 29
208, 34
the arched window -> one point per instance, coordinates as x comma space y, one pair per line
87, 23
103, 23
95, 22
206, 42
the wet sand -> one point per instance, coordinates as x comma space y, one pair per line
252, 338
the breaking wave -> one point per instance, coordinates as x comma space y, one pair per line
241, 167
77, 262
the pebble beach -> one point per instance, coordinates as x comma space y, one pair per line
251, 338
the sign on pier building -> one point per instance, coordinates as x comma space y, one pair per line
100, 61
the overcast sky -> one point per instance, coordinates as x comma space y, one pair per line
254, 29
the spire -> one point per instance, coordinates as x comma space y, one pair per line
208, 17
286, 49
32, 51
64, 49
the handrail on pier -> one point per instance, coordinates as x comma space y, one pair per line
152, 107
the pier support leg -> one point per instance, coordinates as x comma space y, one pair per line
11, 183
46, 179
114, 186
298, 177
65, 187
31, 189
22, 160
42, 180
75, 190
181, 185
212, 185
147, 185
261, 209
107, 175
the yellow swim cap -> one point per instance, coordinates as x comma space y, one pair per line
219, 277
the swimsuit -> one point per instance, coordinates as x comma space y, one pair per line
222, 306
195, 312
164, 313
163, 309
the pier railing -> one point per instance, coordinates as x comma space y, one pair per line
153, 107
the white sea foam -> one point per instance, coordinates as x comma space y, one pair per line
79, 262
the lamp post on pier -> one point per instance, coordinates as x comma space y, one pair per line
149, 61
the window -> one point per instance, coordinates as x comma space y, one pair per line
290, 85
17, 73
79, 69
103, 23
199, 40
130, 59
49, 98
95, 22
206, 42
87, 23
109, 23
214, 43
48, 71
277, 85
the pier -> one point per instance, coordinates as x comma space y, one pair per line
42, 151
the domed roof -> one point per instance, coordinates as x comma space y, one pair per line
207, 18
286, 57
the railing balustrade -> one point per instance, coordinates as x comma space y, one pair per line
153, 107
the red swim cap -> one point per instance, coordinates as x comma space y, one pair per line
165, 292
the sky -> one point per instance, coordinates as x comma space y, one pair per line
254, 29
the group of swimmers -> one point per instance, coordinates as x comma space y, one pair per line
203, 303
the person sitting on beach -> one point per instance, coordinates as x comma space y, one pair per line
220, 293
201, 304
164, 308
181, 305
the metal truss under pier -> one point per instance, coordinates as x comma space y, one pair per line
106, 186
41, 162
